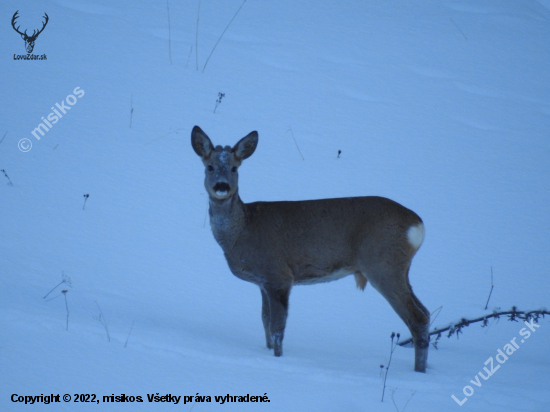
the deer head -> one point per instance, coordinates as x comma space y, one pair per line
29, 40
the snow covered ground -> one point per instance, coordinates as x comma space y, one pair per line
443, 106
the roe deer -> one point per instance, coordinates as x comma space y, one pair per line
277, 245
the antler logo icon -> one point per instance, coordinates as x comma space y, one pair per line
29, 40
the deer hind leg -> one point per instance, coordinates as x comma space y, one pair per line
419, 327
274, 314
396, 289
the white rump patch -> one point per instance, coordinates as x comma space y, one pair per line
415, 235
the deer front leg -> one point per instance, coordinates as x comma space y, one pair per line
277, 309
266, 316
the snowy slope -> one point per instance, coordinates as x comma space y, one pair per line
443, 106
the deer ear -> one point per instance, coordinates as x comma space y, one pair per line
201, 143
246, 146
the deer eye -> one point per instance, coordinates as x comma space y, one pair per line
234, 169
210, 168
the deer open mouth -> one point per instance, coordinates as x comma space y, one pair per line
221, 189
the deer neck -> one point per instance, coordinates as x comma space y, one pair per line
227, 220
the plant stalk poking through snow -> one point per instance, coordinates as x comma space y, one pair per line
456, 328
64, 291
437, 312
216, 45
491, 291
189, 56
219, 100
129, 333
7, 177
65, 279
131, 108
392, 348
103, 321
197, 38
169, 33
456, 25
406, 403
86, 196
295, 142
